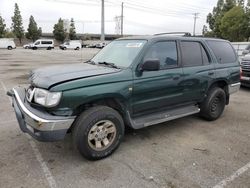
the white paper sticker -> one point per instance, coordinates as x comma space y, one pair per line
134, 45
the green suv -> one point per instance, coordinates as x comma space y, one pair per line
133, 82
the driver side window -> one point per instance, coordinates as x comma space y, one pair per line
165, 51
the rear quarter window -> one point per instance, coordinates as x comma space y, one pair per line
223, 51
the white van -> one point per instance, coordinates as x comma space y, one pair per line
43, 43
72, 44
7, 43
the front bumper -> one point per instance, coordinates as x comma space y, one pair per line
245, 81
40, 125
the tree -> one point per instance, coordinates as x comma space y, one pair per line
233, 24
229, 4
72, 30
33, 32
17, 24
2, 27
59, 31
214, 18
241, 3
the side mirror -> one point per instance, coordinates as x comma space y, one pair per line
150, 65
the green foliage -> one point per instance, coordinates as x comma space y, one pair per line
230, 19
59, 31
2, 27
17, 24
34, 32
233, 24
72, 30
9, 34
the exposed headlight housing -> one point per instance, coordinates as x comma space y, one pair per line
47, 98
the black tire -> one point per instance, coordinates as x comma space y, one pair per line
34, 48
84, 124
49, 48
64, 48
26, 47
77, 48
9, 47
213, 106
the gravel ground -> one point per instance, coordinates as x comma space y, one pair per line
187, 152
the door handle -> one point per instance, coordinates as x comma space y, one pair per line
176, 77
210, 73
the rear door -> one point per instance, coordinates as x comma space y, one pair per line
154, 90
227, 66
198, 69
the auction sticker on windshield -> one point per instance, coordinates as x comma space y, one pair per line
134, 45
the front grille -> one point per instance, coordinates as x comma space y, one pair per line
245, 65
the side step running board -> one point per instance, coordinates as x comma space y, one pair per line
161, 117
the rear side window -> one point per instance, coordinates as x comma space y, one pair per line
165, 51
223, 51
191, 54
46, 42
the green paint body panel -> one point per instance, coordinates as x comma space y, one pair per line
146, 92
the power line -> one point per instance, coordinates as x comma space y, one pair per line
122, 19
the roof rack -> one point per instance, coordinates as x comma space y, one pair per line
184, 34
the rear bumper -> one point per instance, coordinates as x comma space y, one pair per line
40, 125
233, 88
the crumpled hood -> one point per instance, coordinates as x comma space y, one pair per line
49, 76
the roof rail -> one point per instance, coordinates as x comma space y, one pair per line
184, 34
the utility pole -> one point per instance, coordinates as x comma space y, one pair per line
122, 21
102, 24
195, 18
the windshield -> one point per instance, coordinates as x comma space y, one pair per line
121, 52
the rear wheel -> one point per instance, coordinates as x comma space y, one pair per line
9, 47
34, 48
213, 106
97, 132
77, 48
49, 48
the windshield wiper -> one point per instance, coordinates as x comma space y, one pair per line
108, 64
90, 62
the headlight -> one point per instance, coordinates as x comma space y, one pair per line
46, 98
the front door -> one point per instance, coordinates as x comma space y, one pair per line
153, 90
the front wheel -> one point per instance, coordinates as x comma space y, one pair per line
213, 106
9, 47
98, 132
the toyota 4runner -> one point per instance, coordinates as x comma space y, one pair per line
135, 82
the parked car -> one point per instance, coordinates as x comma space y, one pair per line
245, 71
27, 46
72, 44
43, 43
135, 82
100, 45
91, 45
7, 43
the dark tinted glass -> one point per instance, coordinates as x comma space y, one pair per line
205, 57
46, 42
191, 54
166, 52
223, 51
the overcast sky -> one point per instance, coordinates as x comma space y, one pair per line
140, 16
